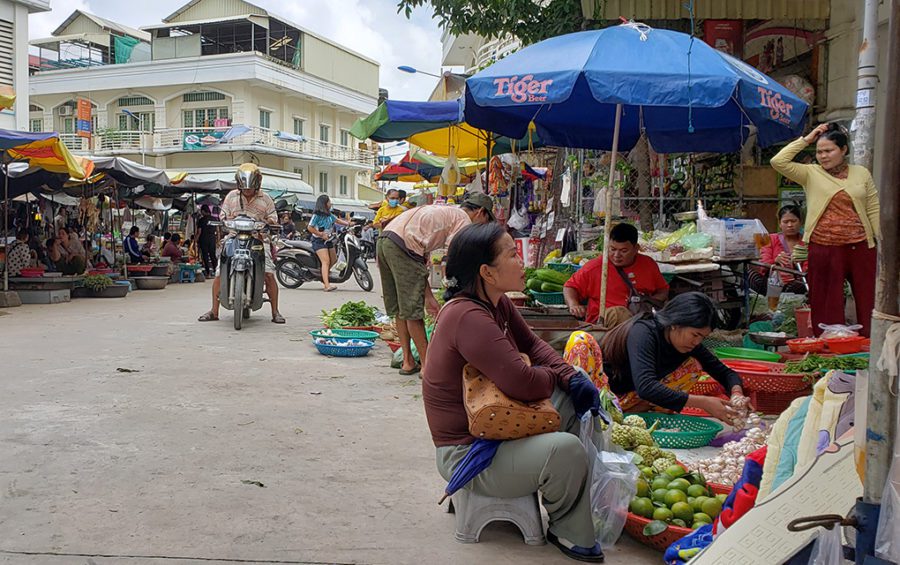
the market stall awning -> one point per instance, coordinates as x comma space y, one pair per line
44, 150
397, 172
129, 173
275, 185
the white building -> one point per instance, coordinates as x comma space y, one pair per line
14, 57
216, 84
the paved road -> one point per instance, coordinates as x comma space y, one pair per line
130, 433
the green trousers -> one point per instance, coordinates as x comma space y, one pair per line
554, 464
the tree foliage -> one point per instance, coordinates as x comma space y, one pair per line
529, 20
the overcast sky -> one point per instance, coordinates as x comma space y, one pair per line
371, 27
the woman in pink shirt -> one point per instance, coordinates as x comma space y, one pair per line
779, 252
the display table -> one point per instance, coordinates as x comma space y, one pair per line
45, 290
726, 281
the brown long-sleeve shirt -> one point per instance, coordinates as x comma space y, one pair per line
491, 340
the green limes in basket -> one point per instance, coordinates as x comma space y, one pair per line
701, 517
712, 507
659, 495
697, 490
643, 488
683, 511
642, 506
663, 514
697, 503
679, 522
675, 496
680, 484
648, 472
676, 471
660, 483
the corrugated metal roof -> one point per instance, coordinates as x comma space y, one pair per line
104, 24
716, 9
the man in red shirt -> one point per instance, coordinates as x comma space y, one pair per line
642, 272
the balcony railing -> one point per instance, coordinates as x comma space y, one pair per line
173, 140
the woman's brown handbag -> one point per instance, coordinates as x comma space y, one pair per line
493, 415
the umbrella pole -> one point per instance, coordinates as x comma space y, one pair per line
607, 220
6, 244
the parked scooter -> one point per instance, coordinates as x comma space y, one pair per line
297, 263
243, 268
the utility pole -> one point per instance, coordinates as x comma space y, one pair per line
863, 127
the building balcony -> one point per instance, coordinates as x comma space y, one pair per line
166, 141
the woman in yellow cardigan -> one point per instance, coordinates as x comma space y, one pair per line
841, 225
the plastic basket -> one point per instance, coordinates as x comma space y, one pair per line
635, 524
345, 350
774, 403
845, 345
549, 298
772, 379
564, 267
394, 345
806, 345
710, 387
344, 334
717, 488
749, 354
695, 432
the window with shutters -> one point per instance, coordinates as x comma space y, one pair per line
203, 117
130, 123
7, 53
299, 171
345, 137
298, 126
134, 101
323, 132
323, 182
343, 185
265, 119
202, 96
36, 124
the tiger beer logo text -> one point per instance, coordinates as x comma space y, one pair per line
524, 89
779, 110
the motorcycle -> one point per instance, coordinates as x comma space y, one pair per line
243, 268
297, 263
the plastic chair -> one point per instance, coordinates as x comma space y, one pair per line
186, 275
474, 512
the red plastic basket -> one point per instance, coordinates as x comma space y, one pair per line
634, 525
710, 387
773, 379
774, 403
806, 345
394, 345
31, 273
846, 345
717, 488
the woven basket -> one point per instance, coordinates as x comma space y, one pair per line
344, 350
549, 298
774, 379
695, 432
635, 524
709, 387
344, 334
717, 488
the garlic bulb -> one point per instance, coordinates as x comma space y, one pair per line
726, 468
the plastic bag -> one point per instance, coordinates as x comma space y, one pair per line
613, 480
887, 539
839, 330
827, 549
696, 241
675, 237
518, 220
774, 285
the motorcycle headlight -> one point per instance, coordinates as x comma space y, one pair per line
241, 224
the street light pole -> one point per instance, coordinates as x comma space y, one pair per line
141, 127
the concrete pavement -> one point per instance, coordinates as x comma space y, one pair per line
130, 433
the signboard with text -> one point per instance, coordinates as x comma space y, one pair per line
83, 118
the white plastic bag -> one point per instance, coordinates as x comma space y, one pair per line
827, 549
839, 330
613, 480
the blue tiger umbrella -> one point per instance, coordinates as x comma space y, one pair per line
477, 459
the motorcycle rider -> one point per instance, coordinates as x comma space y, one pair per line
249, 199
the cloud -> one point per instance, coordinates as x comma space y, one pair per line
370, 27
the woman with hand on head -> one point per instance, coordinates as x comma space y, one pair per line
842, 225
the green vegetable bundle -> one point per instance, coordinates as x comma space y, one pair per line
814, 363
350, 314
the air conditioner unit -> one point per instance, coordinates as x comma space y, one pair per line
65, 110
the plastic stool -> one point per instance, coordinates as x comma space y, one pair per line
474, 512
186, 275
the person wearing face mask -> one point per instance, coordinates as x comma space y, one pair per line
842, 225
390, 209
651, 360
629, 274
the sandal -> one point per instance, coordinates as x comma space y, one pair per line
412, 371
330, 288
588, 555
208, 317
277, 319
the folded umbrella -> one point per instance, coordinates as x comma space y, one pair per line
477, 459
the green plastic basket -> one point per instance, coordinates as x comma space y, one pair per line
748, 354
694, 432
345, 334
549, 298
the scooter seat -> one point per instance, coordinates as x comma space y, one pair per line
299, 244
